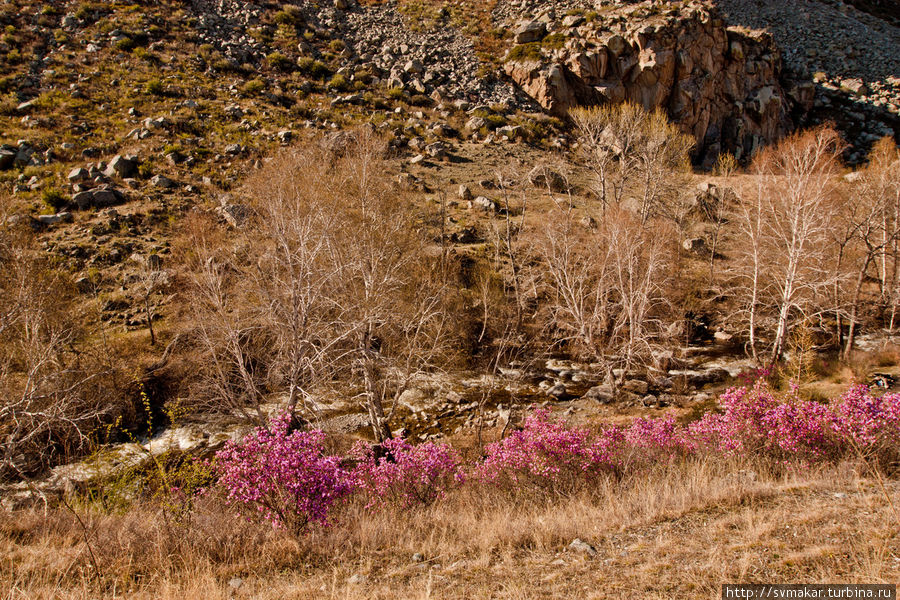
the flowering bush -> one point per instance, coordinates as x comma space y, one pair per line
288, 478
755, 420
547, 454
870, 424
285, 476
405, 474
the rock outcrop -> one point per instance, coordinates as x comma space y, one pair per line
720, 84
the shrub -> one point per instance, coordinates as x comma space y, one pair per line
55, 199
870, 425
420, 100
155, 87
405, 474
549, 455
339, 83
289, 15
313, 68
494, 121
14, 56
554, 41
285, 476
253, 87
126, 44
279, 61
525, 53
755, 420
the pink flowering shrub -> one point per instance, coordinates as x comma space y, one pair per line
871, 425
661, 435
284, 476
288, 478
405, 474
545, 454
757, 421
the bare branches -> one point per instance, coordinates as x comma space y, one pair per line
785, 222
332, 285
603, 285
51, 394
630, 150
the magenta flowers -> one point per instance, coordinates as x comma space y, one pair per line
548, 454
405, 474
289, 479
285, 476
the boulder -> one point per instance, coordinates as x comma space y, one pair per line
78, 174
636, 386
234, 214
854, 86
436, 150
601, 393
475, 123
63, 217
121, 167
98, 198
163, 182
582, 547
530, 31
7, 156
695, 245
485, 204
544, 177
84, 200
107, 197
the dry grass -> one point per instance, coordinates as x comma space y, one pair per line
680, 531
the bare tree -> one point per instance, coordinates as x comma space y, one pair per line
604, 285
626, 147
662, 156
609, 136
332, 286
224, 320
786, 223
53, 394
717, 211
874, 202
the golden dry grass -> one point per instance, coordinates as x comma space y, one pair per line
679, 531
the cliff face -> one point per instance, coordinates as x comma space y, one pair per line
722, 85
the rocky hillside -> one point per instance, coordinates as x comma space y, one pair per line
849, 50
723, 85
116, 118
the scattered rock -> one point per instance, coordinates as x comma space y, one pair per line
722, 337
600, 393
78, 174
854, 86
543, 177
636, 386
485, 204
582, 547
695, 245
163, 182
62, 217
530, 31
122, 167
